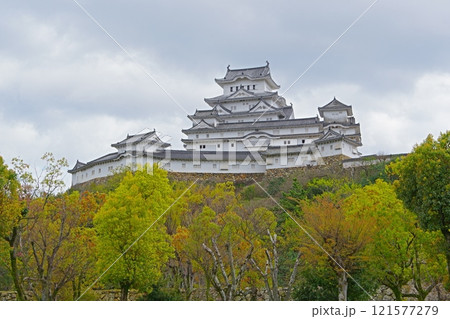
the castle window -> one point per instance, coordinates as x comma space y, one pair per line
93, 172
183, 165
289, 142
99, 170
232, 144
248, 87
214, 165
303, 141
322, 148
197, 165
237, 88
207, 135
231, 89
254, 87
218, 145
196, 135
284, 142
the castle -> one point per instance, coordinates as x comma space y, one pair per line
249, 128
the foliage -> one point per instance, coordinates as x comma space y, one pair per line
129, 226
274, 186
339, 237
290, 200
61, 244
424, 184
316, 284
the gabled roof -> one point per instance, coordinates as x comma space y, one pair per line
336, 105
77, 166
134, 139
258, 105
332, 136
103, 159
202, 124
261, 72
222, 107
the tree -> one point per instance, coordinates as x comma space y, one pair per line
400, 252
130, 225
59, 247
424, 185
339, 237
11, 214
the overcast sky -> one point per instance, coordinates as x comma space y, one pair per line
67, 88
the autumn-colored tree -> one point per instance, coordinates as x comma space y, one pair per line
424, 185
132, 237
59, 244
339, 237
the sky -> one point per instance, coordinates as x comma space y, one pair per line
72, 86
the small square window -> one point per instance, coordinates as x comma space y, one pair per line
99, 170
196, 135
254, 87
214, 165
207, 135
183, 165
218, 145
303, 141
232, 144
231, 89
248, 87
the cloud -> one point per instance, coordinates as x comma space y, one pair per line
390, 123
66, 87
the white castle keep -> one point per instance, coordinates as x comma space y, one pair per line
249, 128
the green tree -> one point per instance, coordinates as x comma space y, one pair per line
11, 214
133, 210
400, 252
424, 185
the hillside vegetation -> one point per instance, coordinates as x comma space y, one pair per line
380, 231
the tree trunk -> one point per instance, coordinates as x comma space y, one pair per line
124, 292
343, 286
15, 275
293, 276
397, 293
13, 260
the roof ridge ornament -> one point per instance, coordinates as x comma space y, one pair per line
267, 63
228, 67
